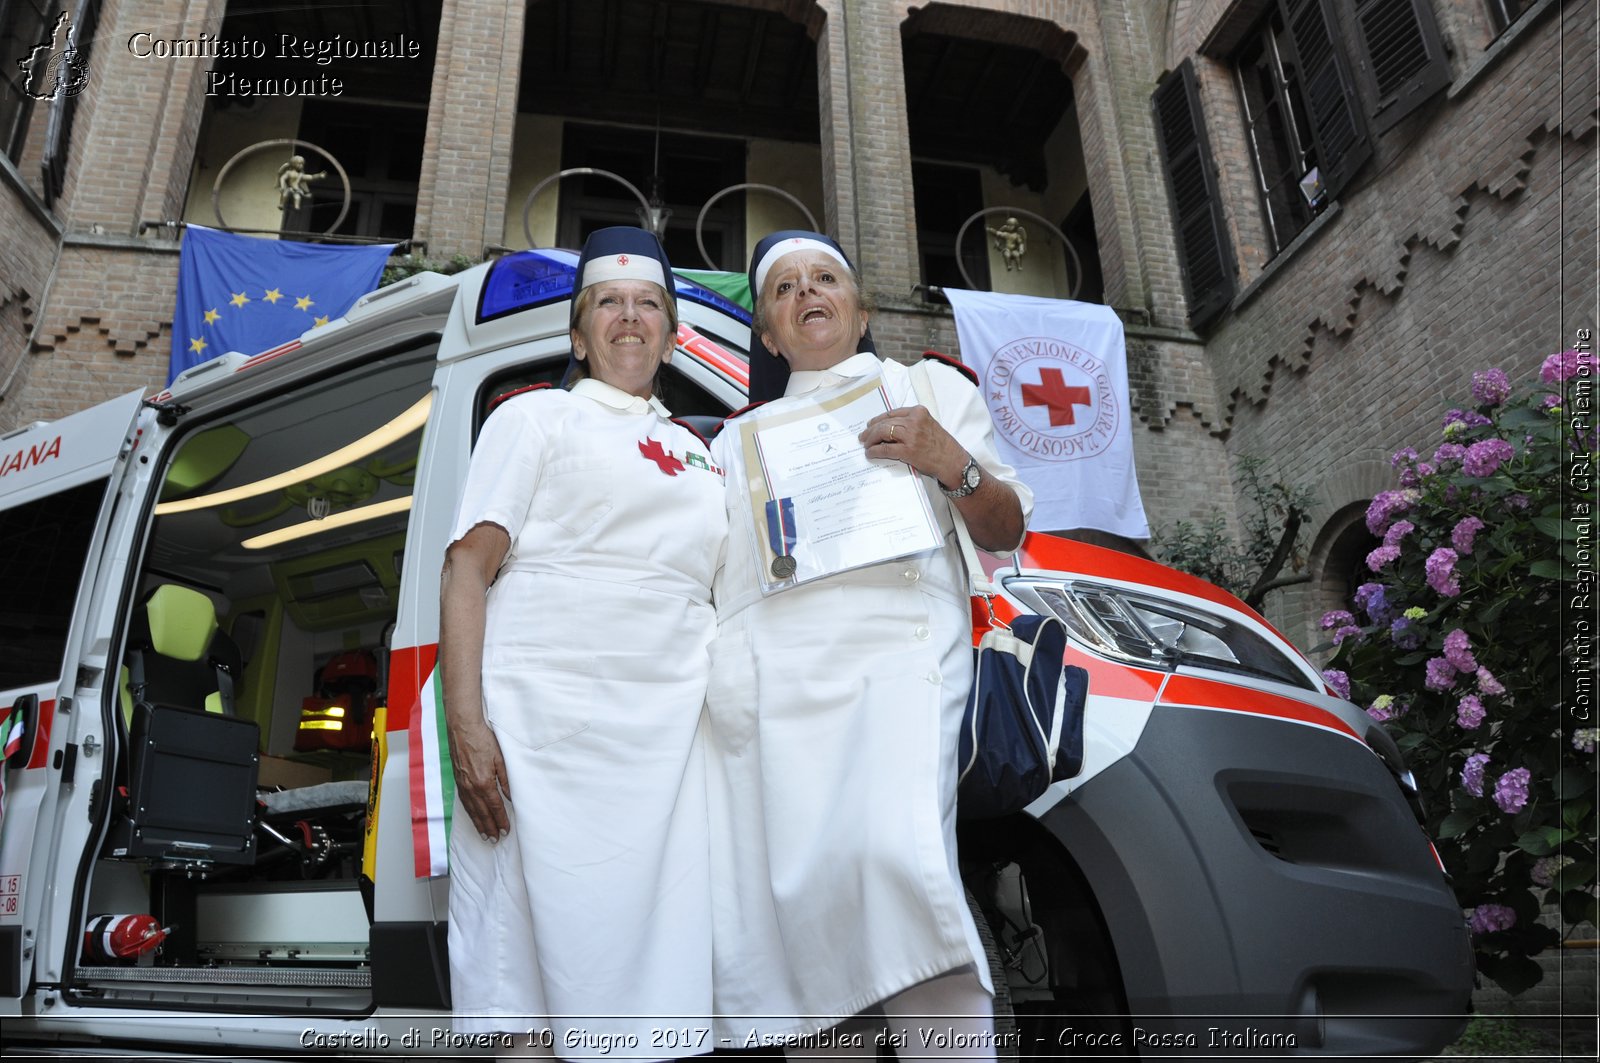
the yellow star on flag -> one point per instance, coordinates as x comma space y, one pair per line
212, 316
303, 303
273, 295
198, 346
239, 299
319, 322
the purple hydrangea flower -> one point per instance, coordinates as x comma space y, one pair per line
1382, 556
1469, 714
1519, 501
1448, 454
1546, 868
1486, 456
1585, 738
1342, 623
1458, 651
1491, 387
1511, 791
1550, 404
1488, 685
1472, 774
1370, 598
1441, 674
1487, 918
1403, 456
1385, 506
1398, 531
1457, 421
1338, 681
1441, 569
1384, 708
1405, 634
1464, 534
1564, 366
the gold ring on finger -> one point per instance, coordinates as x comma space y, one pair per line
892, 427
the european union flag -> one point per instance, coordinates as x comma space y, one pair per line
244, 293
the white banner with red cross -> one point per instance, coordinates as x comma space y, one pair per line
1054, 374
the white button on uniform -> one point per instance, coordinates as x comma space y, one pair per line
922, 632
911, 574
934, 678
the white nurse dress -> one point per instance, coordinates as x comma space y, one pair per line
594, 911
834, 712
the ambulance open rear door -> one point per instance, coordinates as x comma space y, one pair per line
59, 486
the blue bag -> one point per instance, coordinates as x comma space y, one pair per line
1023, 727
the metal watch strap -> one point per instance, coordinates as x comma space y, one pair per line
969, 481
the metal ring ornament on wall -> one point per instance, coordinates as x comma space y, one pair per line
1077, 266
344, 178
587, 171
700, 221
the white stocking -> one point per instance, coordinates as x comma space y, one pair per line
947, 1017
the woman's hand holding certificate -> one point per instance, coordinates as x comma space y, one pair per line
819, 504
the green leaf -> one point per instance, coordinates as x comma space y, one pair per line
1555, 527
1542, 841
1575, 814
1458, 822
1514, 974
1547, 569
1574, 876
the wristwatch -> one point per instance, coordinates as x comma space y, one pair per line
971, 476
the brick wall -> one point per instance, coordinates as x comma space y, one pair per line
1468, 242
26, 256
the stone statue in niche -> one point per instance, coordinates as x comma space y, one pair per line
294, 184
1011, 240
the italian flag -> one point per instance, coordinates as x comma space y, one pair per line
433, 785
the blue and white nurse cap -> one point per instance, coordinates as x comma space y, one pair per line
769, 376
623, 252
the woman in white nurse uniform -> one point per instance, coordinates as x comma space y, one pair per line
835, 709
575, 620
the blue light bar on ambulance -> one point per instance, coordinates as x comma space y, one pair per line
527, 279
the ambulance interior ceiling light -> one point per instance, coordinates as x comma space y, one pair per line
336, 521
371, 443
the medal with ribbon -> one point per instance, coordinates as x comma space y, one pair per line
781, 536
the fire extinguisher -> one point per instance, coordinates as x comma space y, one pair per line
109, 938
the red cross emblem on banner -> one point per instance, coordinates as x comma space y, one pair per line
1053, 393
665, 460
622, 260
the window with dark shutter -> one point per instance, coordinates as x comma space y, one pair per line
1331, 108
1401, 57
1205, 256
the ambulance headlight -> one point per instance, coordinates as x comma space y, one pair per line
1153, 633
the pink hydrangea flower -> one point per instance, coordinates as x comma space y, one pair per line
1382, 556
1487, 918
1448, 454
1491, 387
1338, 681
1458, 651
1472, 774
1398, 531
1465, 534
1441, 569
1488, 685
1342, 623
1385, 506
1511, 791
1564, 366
1384, 708
1486, 456
1441, 674
1469, 714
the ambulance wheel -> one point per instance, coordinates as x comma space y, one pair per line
1005, 1019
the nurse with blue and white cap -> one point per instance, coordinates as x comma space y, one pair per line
575, 617
835, 707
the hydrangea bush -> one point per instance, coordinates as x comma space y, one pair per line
1455, 644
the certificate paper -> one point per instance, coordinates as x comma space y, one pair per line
819, 505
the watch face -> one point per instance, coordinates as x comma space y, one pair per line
970, 476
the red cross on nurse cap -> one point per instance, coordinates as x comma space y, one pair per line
623, 252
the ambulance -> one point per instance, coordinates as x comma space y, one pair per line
223, 798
